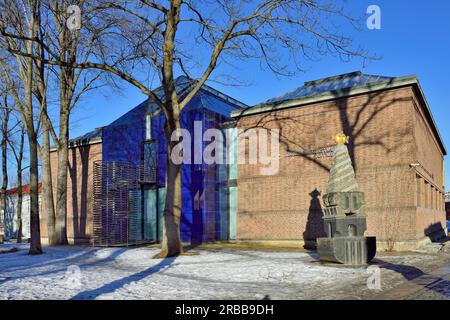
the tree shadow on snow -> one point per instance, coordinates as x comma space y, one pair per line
120, 283
411, 273
65, 263
42, 261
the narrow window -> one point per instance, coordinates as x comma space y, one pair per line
437, 199
418, 191
431, 197
148, 127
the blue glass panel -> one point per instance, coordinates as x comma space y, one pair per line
204, 192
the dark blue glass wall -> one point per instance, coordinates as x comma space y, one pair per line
204, 197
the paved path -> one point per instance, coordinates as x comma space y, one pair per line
432, 286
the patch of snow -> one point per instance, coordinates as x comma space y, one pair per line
131, 273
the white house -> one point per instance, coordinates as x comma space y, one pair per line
11, 222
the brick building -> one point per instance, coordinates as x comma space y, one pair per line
394, 144
11, 221
83, 153
134, 141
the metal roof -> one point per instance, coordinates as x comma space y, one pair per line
341, 86
340, 82
208, 97
88, 138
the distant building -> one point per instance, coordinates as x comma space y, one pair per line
11, 222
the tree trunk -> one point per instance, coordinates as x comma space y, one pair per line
47, 184
61, 191
66, 75
19, 158
19, 203
4, 175
35, 243
171, 243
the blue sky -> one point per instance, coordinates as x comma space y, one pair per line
414, 39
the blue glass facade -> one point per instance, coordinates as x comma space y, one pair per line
205, 201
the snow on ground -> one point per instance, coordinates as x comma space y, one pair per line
227, 273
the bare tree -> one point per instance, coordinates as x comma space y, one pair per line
5, 112
151, 36
70, 46
17, 148
54, 38
225, 31
17, 73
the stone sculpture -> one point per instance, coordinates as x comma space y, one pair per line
344, 219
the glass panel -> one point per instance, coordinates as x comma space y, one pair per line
161, 205
150, 160
233, 199
148, 127
150, 214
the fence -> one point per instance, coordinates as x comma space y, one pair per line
118, 215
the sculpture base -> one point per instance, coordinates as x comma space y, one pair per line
347, 250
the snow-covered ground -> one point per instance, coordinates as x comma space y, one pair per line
225, 273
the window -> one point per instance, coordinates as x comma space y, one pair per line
432, 197
438, 194
418, 190
425, 193
148, 127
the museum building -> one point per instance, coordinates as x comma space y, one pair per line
394, 144
116, 187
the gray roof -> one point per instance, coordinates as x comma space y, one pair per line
341, 86
87, 138
335, 83
222, 104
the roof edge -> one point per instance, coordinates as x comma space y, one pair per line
430, 116
336, 94
329, 95
223, 96
333, 78
83, 143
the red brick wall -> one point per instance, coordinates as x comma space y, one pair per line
383, 143
430, 176
79, 192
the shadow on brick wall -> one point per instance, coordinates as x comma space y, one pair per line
435, 232
80, 198
314, 224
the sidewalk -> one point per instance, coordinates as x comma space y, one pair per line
431, 286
